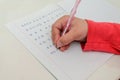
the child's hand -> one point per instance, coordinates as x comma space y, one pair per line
77, 32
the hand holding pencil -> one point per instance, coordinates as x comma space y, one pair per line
68, 29
77, 32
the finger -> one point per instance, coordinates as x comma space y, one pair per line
66, 39
64, 48
57, 27
55, 33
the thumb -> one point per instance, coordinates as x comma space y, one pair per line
65, 39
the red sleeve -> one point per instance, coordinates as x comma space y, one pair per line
103, 36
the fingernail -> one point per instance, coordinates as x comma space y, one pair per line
59, 44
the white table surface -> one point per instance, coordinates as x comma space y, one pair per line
16, 62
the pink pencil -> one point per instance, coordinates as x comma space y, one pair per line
73, 12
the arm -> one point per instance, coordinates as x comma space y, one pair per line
96, 36
103, 36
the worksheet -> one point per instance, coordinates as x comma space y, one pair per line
34, 32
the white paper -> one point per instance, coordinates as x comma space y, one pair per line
34, 31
